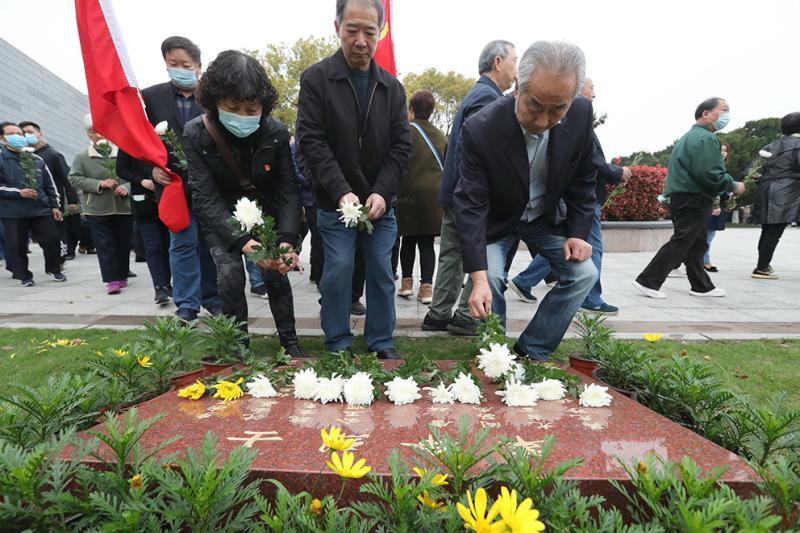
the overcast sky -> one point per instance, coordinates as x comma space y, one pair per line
651, 62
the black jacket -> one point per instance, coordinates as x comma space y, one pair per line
607, 173
60, 171
215, 189
13, 180
342, 156
495, 181
160, 105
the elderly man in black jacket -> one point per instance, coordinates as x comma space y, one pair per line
528, 173
353, 132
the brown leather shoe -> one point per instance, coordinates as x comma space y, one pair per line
406, 287
425, 293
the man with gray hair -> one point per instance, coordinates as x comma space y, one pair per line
528, 173
498, 71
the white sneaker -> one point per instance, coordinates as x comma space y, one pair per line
679, 272
713, 293
650, 293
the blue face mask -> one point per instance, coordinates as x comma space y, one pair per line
32, 139
17, 142
183, 78
240, 125
722, 121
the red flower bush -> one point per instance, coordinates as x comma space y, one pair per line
640, 199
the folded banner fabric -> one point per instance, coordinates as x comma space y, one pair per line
384, 55
116, 104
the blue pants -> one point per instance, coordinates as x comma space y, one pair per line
337, 278
710, 234
554, 314
253, 274
540, 267
155, 239
194, 275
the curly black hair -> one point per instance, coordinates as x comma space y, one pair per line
237, 76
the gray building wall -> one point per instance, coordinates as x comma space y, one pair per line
28, 91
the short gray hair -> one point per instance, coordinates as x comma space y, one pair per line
87, 122
490, 51
554, 56
377, 4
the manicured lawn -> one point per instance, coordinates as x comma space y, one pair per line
758, 368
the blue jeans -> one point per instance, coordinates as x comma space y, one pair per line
540, 267
710, 234
554, 314
194, 275
155, 239
253, 274
337, 278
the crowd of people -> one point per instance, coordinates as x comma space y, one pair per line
524, 166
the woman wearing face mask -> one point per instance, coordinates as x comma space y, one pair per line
236, 150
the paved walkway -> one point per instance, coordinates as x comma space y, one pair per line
752, 308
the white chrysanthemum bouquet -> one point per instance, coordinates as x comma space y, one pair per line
248, 217
354, 215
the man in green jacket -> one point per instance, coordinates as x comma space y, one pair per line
696, 175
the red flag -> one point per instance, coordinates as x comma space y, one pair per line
384, 55
116, 105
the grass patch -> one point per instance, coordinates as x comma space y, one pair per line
758, 368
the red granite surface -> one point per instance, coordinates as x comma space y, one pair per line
286, 433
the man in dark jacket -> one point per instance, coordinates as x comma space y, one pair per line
70, 226
353, 132
525, 156
538, 269
194, 276
28, 204
498, 70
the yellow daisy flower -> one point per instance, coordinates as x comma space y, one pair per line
522, 519
144, 361
335, 439
345, 467
316, 506
195, 391
119, 352
475, 517
228, 390
427, 501
653, 337
438, 480
136, 482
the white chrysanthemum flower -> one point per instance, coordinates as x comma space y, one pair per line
162, 127
29, 149
594, 395
518, 394
351, 212
305, 384
519, 371
765, 154
465, 390
247, 214
496, 361
330, 389
402, 391
359, 390
550, 389
261, 387
440, 394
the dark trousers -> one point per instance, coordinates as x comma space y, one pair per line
317, 251
770, 235
112, 240
689, 214
85, 236
45, 231
70, 229
231, 284
155, 239
137, 243
427, 256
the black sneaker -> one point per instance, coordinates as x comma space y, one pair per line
27, 283
358, 309
139, 259
523, 293
169, 291
294, 350
431, 324
260, 291
57, 276
602, 309
131, 274
161, 298
186, 315
766, 273
461, 326
388, 353
70, 257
